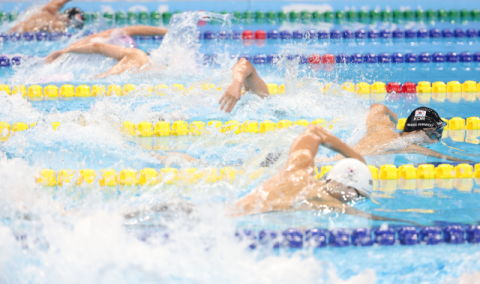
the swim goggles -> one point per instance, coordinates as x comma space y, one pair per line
436, 133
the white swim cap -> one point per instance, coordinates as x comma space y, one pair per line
352, 173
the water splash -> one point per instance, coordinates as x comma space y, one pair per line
80, 234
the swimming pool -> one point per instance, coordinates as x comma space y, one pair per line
77, 205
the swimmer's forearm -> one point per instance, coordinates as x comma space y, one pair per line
315, 136
241, 70
381, 218
55, 5
346, 151
144, 31
109, 50
244, 72
416, 149
334, 143
453, 159
355, 212
87, 48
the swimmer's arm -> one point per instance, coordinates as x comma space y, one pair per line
316, 203
54, 6
313, 137
109, 50
362, 214
131, 31
416, 149
83, 41
253, 204
244, 74
116, 52
139, 30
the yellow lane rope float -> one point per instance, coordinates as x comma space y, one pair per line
424, 91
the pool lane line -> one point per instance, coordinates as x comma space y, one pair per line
462, 175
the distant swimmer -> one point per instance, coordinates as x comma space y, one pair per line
117, 44
48, 19
423, 126
294, 187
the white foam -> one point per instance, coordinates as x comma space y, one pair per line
466, 278
89, 240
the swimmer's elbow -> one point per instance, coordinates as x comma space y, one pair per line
96, 45
312, 128
243, 61
317, 133
316, 130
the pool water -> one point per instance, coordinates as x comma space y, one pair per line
181, 232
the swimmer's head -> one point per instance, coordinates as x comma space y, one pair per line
426, 120
351, 179
75, 17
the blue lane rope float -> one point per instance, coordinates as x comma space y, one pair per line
383, 236
317, 238
274, 35
342, 58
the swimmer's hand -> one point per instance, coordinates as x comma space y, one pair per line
53, 56
244, 75
231, 96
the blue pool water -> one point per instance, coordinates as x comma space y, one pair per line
90, 234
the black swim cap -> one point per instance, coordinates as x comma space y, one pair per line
421, 118
76, 17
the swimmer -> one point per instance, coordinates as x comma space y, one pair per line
244, 76
117, 44
294, 187
423, 126
48, 19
